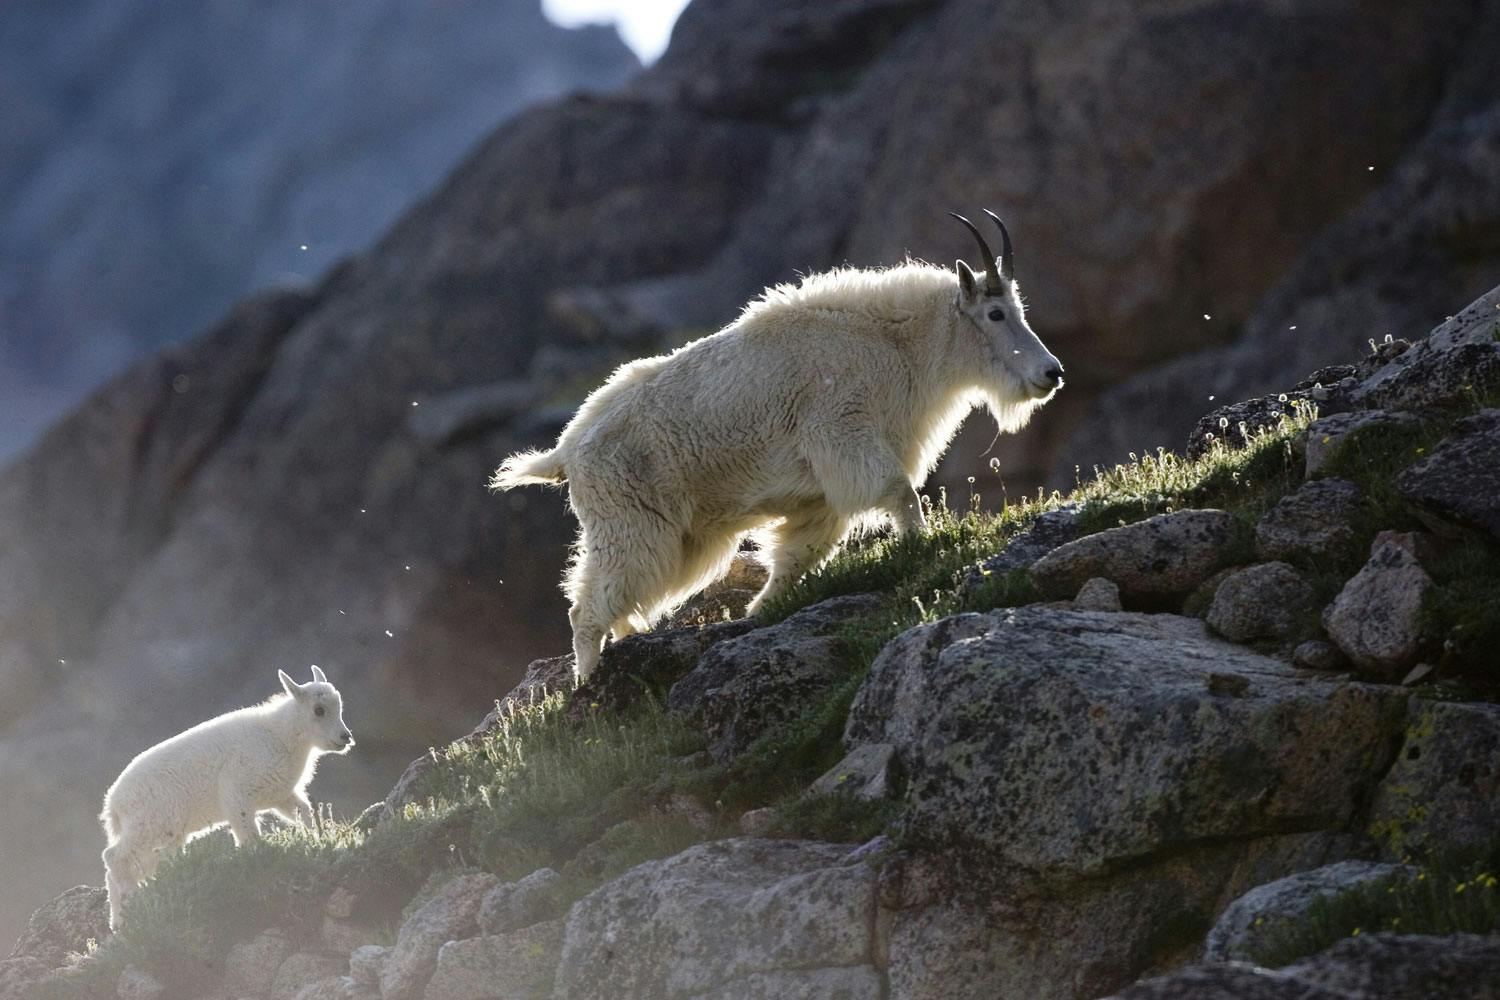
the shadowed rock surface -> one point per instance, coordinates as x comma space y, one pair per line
161, 160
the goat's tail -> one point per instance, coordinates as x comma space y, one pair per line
111, 821
527, 467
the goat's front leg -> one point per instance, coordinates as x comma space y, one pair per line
239, 811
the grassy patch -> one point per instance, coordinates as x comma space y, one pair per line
911, 567
1449, 897
1247, 480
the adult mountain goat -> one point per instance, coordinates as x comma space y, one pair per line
225, 770
824, 403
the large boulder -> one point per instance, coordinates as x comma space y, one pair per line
1265, 601
730, 919
746, 686
1067, 743
65, 926
1311, 524
1376, 620
1157, 560
1459, 483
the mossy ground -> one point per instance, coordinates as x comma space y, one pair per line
598, 796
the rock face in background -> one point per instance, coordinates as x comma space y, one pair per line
272, 494
1424, 241
161, 160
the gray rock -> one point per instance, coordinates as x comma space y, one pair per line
19, 975
304, 968
1443, 792
451, 914
1248, 923
514, 905
1326, 435
136, 984
250, 967
1265, 601
65, 926
1406, 967
1154, 560
749, 685
1317, 654
1459, 483
519, 965
1376, 618
1436, 378
366, 964
865, 772
1097, 594
1050, 529
651, 661
1311, 524
758, 822
1188, 737
720, 912
348, 936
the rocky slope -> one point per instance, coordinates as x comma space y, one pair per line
303, 483
1202, 715
161, 160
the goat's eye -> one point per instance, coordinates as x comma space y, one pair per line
998, 315
318, 711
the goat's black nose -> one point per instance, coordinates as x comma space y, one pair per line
1055, 373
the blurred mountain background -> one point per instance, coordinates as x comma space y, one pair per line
161, 160
1210, 198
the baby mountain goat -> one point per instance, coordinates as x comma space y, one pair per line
822, 406
225, 770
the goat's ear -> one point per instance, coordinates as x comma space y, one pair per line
968, 285
318, 674
290, 686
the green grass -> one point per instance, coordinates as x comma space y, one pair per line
1446, 897
911, 567
1247, 480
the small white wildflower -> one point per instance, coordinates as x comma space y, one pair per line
1223, 423
1281, 398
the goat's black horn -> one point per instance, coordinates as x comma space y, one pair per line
991, 271
1007, 256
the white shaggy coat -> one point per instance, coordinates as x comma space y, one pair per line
824, 404
223, 771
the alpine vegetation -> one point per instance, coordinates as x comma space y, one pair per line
227, 770
820, 409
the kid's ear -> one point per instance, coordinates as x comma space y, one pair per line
290, 686
968, 287
318, 674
